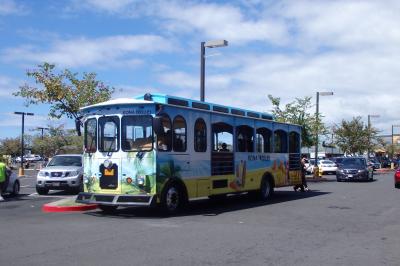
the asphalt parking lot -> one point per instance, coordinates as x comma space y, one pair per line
334, 224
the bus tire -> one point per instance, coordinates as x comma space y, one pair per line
172, 198
266, 188
109, 209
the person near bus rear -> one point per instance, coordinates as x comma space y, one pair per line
3, 178
303, 187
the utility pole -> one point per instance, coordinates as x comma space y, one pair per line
21, 169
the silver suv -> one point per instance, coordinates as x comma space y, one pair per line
63, 172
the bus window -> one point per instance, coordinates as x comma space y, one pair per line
263, 137
91, 135
200, 136
223, 137
294, 142
245, 139
164, 140
137, 133
109, 132
179, 134
280, 141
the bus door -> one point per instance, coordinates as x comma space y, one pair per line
109, 162
222, 156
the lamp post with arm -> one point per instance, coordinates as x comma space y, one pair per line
204, 45
21, 169
326, 93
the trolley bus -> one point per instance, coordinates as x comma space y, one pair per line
166, 150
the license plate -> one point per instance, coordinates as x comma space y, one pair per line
56, 184
349, 175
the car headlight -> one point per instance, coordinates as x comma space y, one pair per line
42, 173
73, 173
361, 171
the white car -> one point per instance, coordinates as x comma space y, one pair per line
63, 172
325, 166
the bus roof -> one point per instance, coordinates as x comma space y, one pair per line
207, 106
183, 102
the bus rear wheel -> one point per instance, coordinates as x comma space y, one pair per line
266, 189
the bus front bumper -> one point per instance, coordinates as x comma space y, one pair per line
110, 199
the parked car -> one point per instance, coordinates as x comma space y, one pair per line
63, 172
13, 185
18, 159
397, 178
354, 168
325, 166
375, 164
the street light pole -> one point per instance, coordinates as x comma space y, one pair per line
21, 169
42, 129
369, 133
204, 45
316, 127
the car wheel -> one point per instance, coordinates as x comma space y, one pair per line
338, 179
16, 188
172, 199
42, 190
108, 208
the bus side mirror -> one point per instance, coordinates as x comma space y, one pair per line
157, 125
78, 126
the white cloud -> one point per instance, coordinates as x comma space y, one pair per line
120, 50
7, 87
10, 7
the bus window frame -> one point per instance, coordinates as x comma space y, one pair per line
86, 135
201, 120
173, 134
101, 129
124, 131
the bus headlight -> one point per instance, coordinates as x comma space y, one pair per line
140, 179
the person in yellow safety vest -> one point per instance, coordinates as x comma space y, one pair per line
4, 174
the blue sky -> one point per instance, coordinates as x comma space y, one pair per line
285, 48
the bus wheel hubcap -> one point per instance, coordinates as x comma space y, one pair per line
172, 198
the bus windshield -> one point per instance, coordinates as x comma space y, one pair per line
109, 133
137, 133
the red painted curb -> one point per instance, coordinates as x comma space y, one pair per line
51, 208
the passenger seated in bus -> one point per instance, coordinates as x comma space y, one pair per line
223, 147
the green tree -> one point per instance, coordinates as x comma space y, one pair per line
355, 137
10, 146
299, 112
58, 140
65, 92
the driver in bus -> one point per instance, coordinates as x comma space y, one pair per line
223, 147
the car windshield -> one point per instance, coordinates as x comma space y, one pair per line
66, 161
353, 161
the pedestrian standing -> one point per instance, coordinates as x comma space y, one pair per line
303, 187
3, 176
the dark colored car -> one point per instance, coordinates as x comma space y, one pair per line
354, 168
397, 178
374, 163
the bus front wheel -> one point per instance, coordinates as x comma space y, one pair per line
172, 199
